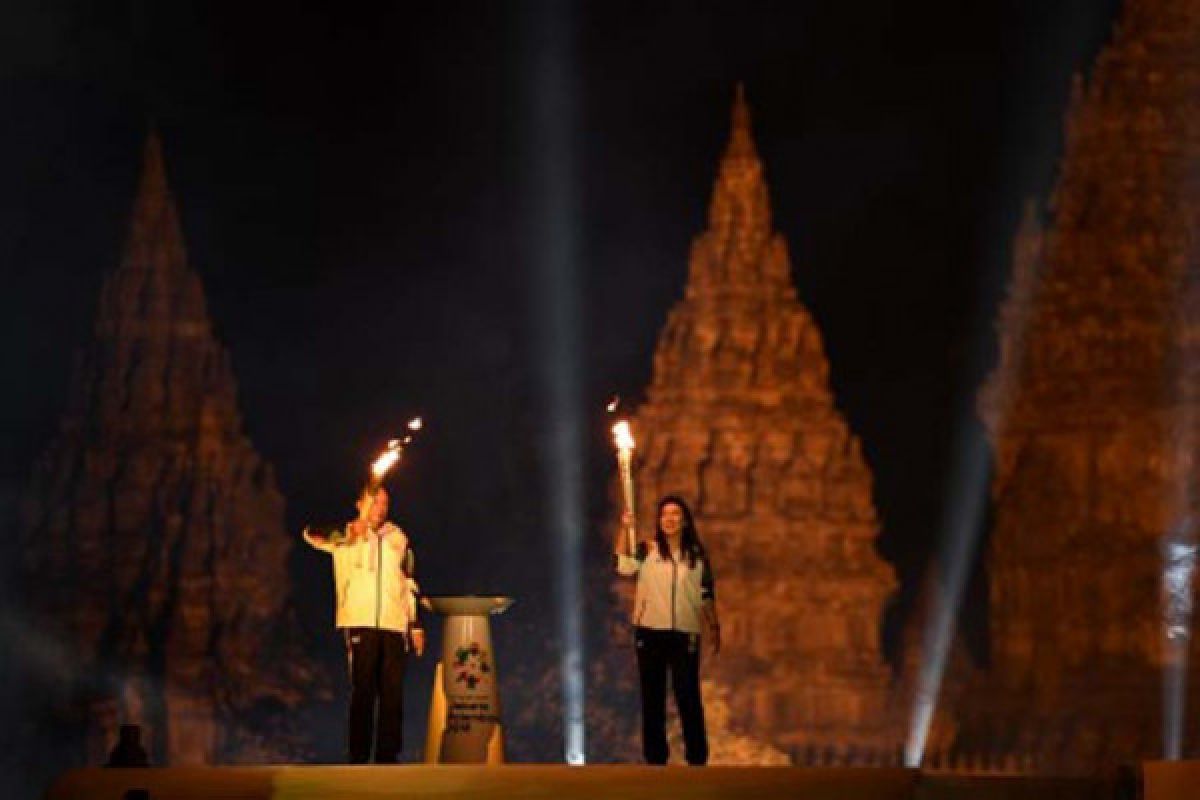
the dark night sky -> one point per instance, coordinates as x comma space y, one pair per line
355, 194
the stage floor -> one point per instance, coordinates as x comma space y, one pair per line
558, 782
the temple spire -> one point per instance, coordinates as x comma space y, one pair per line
741, 137
739, 252
154, 540
153, 292
155, 238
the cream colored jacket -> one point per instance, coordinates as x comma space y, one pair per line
373, 580
670, 594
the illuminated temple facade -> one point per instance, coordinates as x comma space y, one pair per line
1092, 415
154, 544
740, 420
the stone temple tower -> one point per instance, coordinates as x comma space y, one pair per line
155, 555
1092, 414
739, 419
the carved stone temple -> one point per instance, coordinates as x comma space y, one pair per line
739, 420
154, 543
1092, 414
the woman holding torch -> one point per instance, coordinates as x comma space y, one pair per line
674, 602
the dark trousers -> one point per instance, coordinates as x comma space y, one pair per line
660, 652
376, 660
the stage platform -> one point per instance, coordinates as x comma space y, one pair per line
558, 782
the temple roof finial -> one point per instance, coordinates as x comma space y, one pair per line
741, 138
739, 213
155, 238
153, 292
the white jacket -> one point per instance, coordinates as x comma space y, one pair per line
670, 594
373, 580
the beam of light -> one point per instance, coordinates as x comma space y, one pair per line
1179, 549
962, 527
1179, 540
550, 73
1179, 563
965, 507
966, 504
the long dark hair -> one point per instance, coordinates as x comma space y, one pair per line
690, 543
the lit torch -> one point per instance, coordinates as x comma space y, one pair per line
391, 455
623, 439
382, 465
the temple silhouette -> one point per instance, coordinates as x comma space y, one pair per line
1091, 413
153, 536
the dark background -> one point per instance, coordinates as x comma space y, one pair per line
354, 185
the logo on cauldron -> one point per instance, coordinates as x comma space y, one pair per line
471, 665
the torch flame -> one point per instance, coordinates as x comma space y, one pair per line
392, 453
623, 436
612, 404
387, 459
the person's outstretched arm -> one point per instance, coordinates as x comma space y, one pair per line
319, 541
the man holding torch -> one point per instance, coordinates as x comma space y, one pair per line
373, 569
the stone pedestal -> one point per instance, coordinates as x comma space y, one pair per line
464, 715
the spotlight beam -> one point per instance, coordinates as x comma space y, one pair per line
1179, 549
962, 529
550, 72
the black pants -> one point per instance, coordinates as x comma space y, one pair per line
376, 660
679, 653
